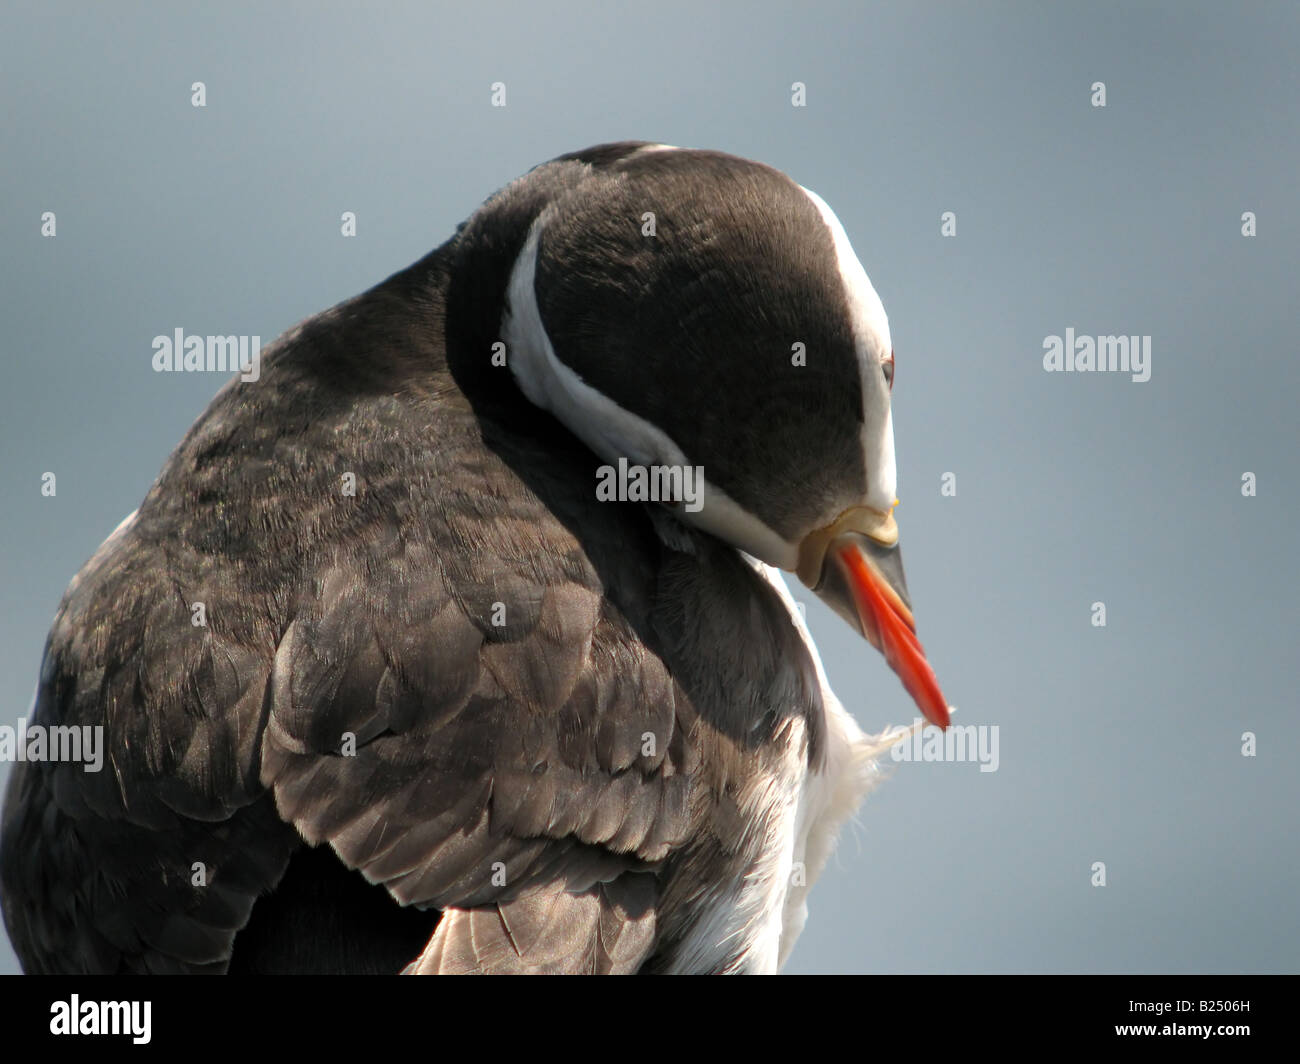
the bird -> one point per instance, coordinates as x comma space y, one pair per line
496, 668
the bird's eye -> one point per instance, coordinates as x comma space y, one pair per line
887, 367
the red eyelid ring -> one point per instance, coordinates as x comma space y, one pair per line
892, 370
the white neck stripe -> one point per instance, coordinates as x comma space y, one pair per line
871, 335
610, 430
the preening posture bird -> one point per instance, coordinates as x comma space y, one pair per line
456, 705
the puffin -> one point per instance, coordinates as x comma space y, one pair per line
459, 642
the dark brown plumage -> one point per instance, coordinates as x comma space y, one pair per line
500, 769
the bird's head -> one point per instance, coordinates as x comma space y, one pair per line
693, 310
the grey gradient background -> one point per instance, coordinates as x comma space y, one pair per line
1119, 744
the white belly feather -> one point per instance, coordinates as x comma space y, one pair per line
802, 813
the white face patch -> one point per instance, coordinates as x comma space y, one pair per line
611, 431
871, 333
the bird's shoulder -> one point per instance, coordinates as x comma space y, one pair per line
355, 605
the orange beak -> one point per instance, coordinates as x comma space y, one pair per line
886, 621
855, 567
